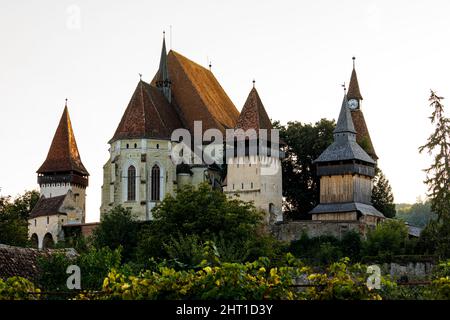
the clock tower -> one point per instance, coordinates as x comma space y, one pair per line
354, 103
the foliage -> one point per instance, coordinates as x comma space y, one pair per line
438, 179
382, 197
118, 228
196, 215
326, 249
304, 143
17, 288
341, 281
94, 266
14, 218
388, 238
256, 280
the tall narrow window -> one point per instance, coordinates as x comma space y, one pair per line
131, 183
155, 183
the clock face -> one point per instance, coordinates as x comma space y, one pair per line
353, 104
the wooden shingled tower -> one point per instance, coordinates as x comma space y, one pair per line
346, 173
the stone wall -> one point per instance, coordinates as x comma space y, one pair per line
293, 230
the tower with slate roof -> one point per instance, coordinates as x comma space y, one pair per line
346, 173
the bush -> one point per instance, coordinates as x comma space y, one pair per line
118, 228
255, 281
341, 281
18, 288
198, 215
388, 238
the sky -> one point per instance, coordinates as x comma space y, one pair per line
299, 53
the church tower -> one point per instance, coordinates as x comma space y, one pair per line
253, 175
354, 102
63, 180
346, 173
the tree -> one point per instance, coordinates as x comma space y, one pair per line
118, 228
438, 177
196, 215
304, 144
14, 218
382, 197
388, 238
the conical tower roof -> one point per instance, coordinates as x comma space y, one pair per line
344, 146
63, 155
253, 114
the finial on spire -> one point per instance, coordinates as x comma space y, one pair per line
253, 83
353, 58
140, 76
66, 103
164, 34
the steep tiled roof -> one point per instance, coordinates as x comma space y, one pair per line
353, 87
253, 114
148, 115
63, 155
198, 96
47, 206
362, 133
16, 261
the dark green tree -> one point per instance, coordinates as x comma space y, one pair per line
382, 197
388, 238
304, 143
438, 178
118, 228
195, 215
14, 218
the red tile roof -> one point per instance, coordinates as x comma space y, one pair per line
353, 87
198, 96
148, 115
63, 155
253, 114
362, 133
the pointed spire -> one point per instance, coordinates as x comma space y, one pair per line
162, 80
253, 114
345, 122
353, 87
63, 155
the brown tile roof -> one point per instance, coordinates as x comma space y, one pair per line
148, 115
63, 155
47, 206
362, 133
253, 114
197, 95
23, 262
353, 87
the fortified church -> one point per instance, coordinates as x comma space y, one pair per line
140, 170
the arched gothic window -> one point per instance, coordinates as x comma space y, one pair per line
131, 183
156, 185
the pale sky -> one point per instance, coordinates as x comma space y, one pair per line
299, 52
